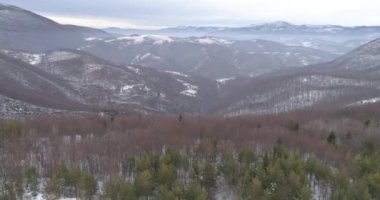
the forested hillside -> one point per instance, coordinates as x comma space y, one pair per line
301, 155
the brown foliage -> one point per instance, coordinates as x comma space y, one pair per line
101, 146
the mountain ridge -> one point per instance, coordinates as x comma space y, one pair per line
26, 31
331, 38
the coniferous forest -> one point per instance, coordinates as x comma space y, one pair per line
298, 155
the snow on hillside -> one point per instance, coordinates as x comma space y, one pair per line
134, 69
328, 81
365, 101
129, 89
210, 41
138, 39
33, 59
191, 90
149, 55
224, 80
177, 73
92, 39
30, 58
144, 57
161, 39
61, 55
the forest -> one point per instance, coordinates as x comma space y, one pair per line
309, 154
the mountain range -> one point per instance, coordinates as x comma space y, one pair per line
331, 38
210, 57
54, 68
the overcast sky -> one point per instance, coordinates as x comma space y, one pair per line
164, 13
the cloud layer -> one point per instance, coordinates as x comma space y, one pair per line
157, 13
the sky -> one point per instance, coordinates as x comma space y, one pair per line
151, 14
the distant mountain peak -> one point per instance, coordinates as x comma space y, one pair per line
274, 24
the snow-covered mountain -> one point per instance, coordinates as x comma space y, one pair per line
280, 27
210, 57
26, 31
332, 38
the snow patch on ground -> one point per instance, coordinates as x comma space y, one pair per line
212, 40
92, 67
138, 39
224, 80
61, 55
145, 56
134, 69
365, 101
149, 55
176, 73
35, 59
128, 89
140, 57
30, 58
191, 90
44, 197
92, 39
328, 81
